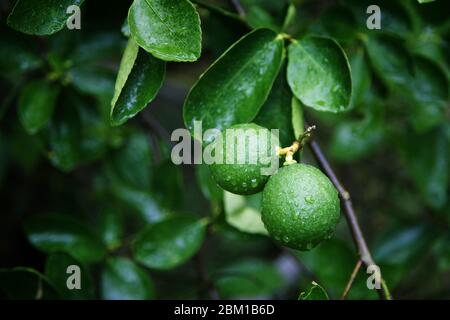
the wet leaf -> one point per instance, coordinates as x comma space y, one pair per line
319, 74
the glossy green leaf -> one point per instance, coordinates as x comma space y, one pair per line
56, 270
240, 214
235, 86
53, 233
315, 292
142, 202
93, 80
131, 164
36, 104
390, 60
139, 80
403, 244
353, 140
298, 122
25, 284
169, 243
257, 17
208, 186
168, 29
319, 74
276, 112
248, 278
41, 17
122, 279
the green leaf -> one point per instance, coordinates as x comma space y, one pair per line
36, 104
93, 80
334, 255
289, 18
208, 186
53, 233
353, 140
235, 86
25, 284
276, 112
425, 1
257, 17
315, 292
319, 74
41, 17
144, 203
240, 214
403, 244
168, 29
139, 80
427, 160
111, 227
390, 60
56, 269
248, 278
131, 164
298, 123
429, 90
361, 78
17, 54
170, 243
122, 279
77, 133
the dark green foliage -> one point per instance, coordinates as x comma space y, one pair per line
86, 176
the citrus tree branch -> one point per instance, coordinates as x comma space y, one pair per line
352, 279
239, 9
357, 235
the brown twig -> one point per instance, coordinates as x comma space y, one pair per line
239, 8
352, 279
357, 235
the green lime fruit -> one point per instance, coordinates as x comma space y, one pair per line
300, 206
248, 154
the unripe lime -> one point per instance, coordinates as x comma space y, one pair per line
246, 159
300, 206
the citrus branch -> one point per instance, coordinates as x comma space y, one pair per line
357, 235
352, 279
239, 9
296, 145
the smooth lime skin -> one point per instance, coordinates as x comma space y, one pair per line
244, 179
300, 206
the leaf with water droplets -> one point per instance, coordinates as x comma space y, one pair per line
168, 29
235, 87
169, 243
139, 79
319, 74
41, 17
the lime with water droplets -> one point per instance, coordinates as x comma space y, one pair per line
244, 159
300, 206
